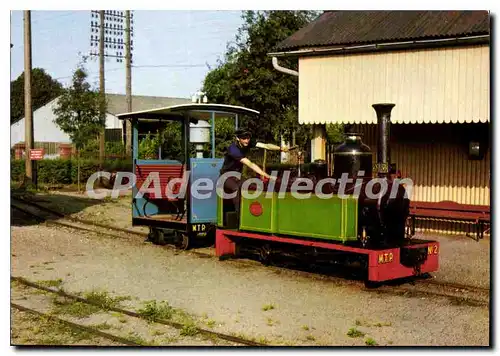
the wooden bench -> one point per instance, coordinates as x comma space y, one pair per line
166, 173
479, 215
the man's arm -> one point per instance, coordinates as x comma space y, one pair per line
270, 146
255, 167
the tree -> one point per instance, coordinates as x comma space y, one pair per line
78, 112
44, 89
248, 78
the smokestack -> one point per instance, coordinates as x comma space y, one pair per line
384, 132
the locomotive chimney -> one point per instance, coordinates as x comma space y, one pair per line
384, 132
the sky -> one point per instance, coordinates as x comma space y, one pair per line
172, 48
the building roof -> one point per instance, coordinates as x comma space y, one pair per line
348, 28
117, 103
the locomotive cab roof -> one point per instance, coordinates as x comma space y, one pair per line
195, 111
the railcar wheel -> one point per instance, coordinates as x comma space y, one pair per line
156, 236
182, 241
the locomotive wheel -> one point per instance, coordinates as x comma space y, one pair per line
265, 254
182, 241
408, 228
372, 284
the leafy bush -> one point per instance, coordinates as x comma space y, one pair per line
61, 171
54, 171
17, 169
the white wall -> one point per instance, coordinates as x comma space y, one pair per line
441, 85
46, 130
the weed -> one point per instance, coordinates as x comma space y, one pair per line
390, 342
157, 333
153, 311
358, 322
170, 339
210, 323
310, 338
122, 320
134, 337
271, 322
305, 327
268, 307
78, 309
51, 282
189, 330
379, 325
370, 342
353, 332
263, 340
182, 317
103, 300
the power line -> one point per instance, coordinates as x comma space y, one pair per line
170, 66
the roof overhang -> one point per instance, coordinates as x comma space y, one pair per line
194, 111
383, 46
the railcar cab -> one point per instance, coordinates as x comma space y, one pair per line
162, 196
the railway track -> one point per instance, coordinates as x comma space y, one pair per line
72, 325
179, 326
458, 292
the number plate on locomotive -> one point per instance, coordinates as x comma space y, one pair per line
199, 227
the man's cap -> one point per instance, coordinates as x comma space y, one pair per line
243, 133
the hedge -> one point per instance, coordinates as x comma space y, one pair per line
64, 171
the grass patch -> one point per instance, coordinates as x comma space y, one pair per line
353, 332
370, 342
268, 307
153, 311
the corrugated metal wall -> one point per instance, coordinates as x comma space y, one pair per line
440, 171
428, 85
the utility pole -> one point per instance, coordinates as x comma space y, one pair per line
101, 85
128, 64
111, 29
28, 109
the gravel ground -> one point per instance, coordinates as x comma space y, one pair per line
247, 299
130, 328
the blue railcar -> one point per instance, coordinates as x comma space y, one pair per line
167, 212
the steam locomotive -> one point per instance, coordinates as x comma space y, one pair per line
351, 213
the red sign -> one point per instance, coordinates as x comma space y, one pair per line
36, 154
